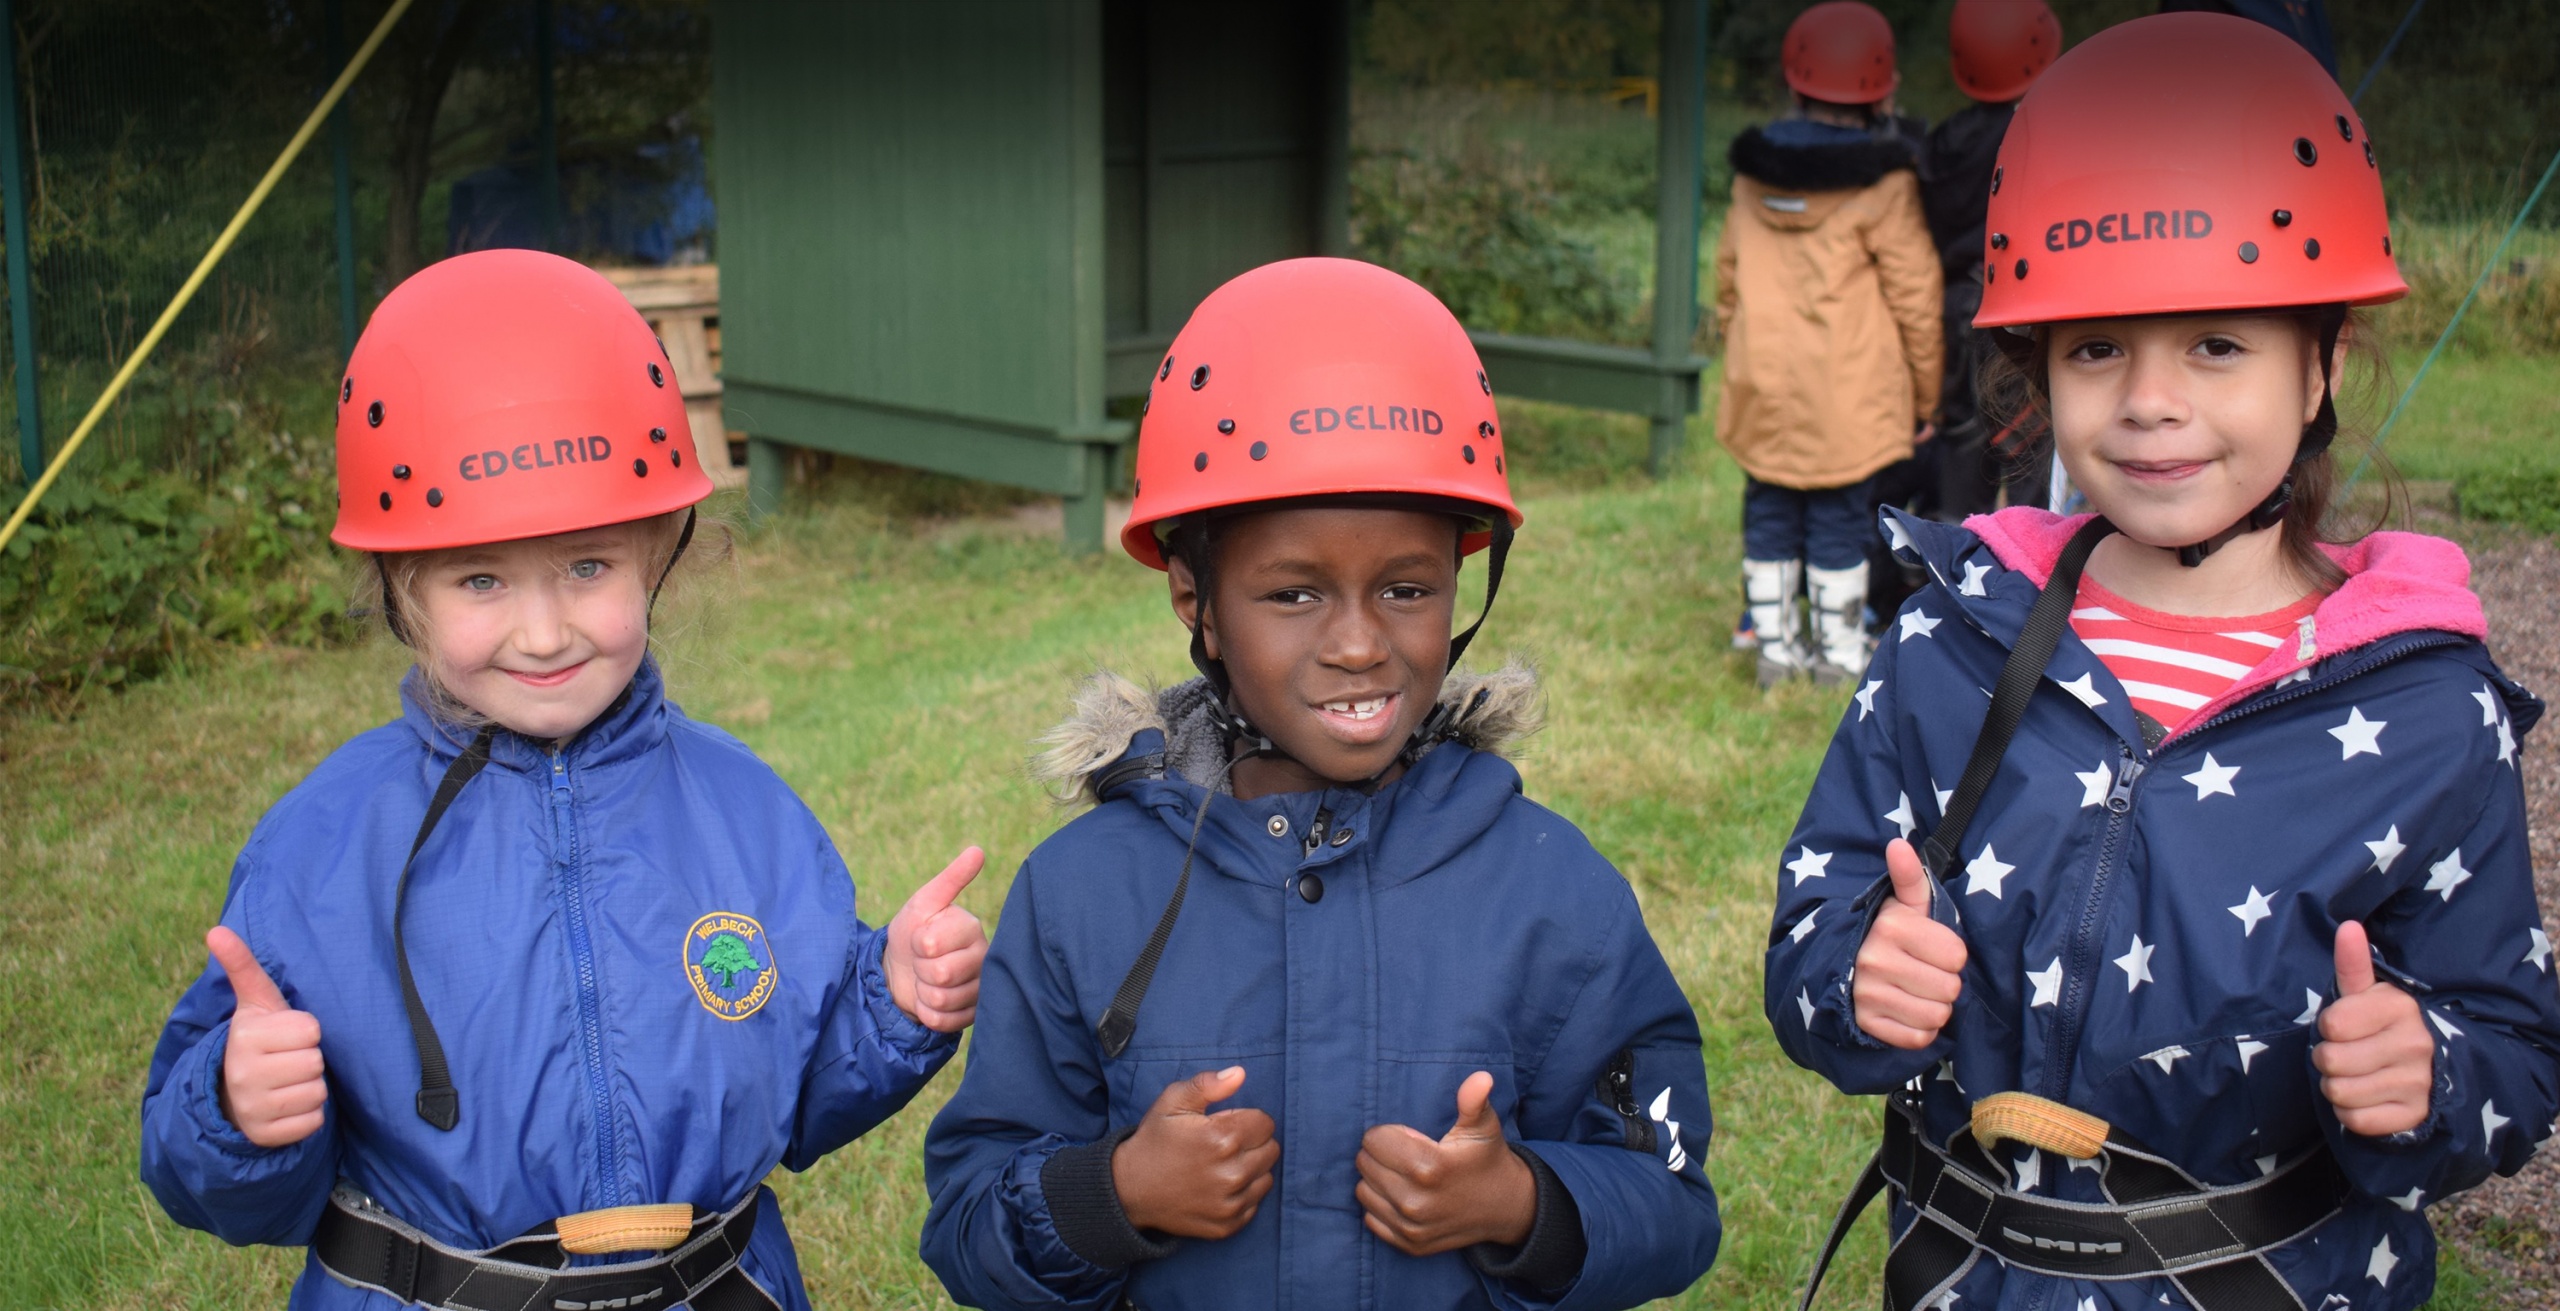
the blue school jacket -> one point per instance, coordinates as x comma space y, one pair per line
640, 952
1458, 927
2150, 927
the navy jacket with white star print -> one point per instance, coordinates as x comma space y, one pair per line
2150, 929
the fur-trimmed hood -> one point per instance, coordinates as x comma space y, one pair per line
1488, 712
1817, 166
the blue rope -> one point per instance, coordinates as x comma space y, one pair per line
2387, 47
2456, 322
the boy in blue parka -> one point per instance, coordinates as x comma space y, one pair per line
517, 1000
2237, 967
1313, 1008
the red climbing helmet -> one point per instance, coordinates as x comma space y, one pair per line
1316, 377
2184, 163
1840, 51
507, 394
1998, 46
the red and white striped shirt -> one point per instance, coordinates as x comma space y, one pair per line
2172, 665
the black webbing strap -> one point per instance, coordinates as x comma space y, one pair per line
1494, 556
359, 1243
1120, 1022
2018, 681
437, 1104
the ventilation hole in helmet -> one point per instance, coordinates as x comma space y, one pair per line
2020, 272
1485, 430
657, 434
1200, 377
1166, 371
2368, 152
1990, 273
657, 377
435, 497
386, 500
639, 467
1484, 382
2345, 132
2283, 217
1259, 450
2248, 252
1999, 241
373, 415
2311, 248
1995, 179
1497, 464
1200, 462
1469, 452
1226, 427
2305, 153
400, 471
676, 458
346, 391
1144, 403
2386, 243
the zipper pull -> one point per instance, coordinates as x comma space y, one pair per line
2306, 645
559, 773
1316, 830
2120, 797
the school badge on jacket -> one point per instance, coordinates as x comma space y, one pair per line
730, 964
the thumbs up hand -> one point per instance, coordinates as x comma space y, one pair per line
1189, 1171
273, 1087
2376, 1058
1425, 1196
1910, 970
936, 950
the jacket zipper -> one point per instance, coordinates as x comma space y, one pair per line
2084, 937
1316, 830
564, 834
2066, 1047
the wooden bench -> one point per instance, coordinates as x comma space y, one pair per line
682, 305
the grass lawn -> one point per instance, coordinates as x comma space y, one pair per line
894, 667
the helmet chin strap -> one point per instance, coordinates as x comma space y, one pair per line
2316, 436
1246, 740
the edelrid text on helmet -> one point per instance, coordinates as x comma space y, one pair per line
1316, 377
507, 394
2184, 163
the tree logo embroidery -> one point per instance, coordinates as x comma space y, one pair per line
730, 964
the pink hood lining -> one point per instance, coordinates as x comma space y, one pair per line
2396, 583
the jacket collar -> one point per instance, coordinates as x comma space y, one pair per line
1163, 749
633, 724
1792, 159
2397, 584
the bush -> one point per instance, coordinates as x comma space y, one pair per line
2529, 497
1478, 227
126, 571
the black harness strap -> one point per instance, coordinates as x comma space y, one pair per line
1120, 1022
437, 1103
2018, 680
361, 1244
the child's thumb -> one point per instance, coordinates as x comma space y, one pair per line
249, 981
1195, 1095
1910, 881
1475, 1109
2355, 959
944, 888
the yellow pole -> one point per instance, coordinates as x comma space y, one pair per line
204, 267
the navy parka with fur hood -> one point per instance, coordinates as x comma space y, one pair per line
2150, 927
1443, 925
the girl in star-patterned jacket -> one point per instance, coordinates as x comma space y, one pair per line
2226, 964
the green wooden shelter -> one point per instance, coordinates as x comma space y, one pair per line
952, 233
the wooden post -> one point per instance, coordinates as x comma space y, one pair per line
546, 134
1680, 144
22, 287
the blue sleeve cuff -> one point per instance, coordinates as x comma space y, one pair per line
895, 1027
201, 1095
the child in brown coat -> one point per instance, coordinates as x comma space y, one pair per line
1827, 285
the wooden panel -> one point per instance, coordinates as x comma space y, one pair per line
910, 204
1579, 373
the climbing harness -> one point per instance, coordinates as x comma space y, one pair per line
361, 1244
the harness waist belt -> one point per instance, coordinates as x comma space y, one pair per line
361, 1244
2172, 1230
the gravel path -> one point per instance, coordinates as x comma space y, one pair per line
2512, 1226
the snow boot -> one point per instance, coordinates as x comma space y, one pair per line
1771, 588
1839, 599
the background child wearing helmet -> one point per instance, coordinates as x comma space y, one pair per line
1313, 1008
544, 947
1828, 288
2250, 885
